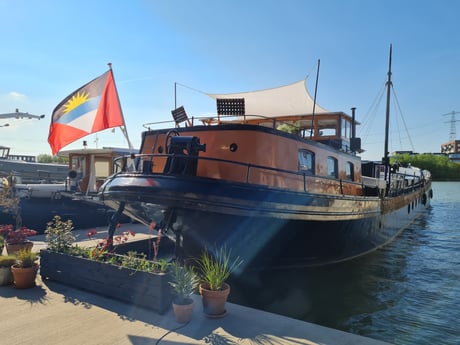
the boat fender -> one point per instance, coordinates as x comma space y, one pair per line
431, 194
424, 199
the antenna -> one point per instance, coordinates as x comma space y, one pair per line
453, 129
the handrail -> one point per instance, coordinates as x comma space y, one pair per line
136, 167
139, 158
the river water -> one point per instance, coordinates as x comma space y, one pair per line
405, 293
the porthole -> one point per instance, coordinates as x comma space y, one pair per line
233, 147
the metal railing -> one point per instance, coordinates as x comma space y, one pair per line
144, 164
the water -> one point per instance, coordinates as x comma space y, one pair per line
406, 293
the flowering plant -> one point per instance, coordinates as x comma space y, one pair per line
17, 236
105, 246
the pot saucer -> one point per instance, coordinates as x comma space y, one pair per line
216, 316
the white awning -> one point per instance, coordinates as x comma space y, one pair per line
292, 99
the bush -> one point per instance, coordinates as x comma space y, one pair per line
59, 235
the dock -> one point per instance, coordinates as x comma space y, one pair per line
53, 313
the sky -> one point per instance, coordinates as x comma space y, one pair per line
51, 48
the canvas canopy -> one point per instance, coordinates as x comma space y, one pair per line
292, 99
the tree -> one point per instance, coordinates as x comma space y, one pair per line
44, 158
441, 168
9, 200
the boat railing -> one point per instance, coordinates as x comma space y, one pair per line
403, 183
143, 164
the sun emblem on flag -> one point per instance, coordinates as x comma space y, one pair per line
76, 100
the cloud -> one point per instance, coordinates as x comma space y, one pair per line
16, 95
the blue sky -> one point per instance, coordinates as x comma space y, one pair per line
51, 48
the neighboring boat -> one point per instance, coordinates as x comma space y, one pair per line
29, 170
273, 176
76, 198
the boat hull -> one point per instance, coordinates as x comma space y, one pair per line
267, 227
37, 212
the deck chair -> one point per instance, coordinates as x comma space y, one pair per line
180, 116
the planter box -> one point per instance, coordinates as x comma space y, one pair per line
148, 290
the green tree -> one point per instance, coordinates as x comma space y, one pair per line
44, 158
441, 168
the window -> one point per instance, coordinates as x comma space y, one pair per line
349, 171
306, 162
332, 165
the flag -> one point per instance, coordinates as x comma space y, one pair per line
92, 108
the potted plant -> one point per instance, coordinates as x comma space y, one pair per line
16, 239
25, 269
6, 261
101, 269
184, 282
215, 269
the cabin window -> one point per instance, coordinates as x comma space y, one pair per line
332, 167
327, 127
345, 128
349, 171
306, 162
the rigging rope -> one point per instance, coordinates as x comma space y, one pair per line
402, 117
368, 120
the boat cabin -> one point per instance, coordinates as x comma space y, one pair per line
88, 168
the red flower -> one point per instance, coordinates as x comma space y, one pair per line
91, 233
17, 236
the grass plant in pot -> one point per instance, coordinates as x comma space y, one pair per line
184, 282
25, 269
6, 261
215, 268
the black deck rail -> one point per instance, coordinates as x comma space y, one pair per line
143, 164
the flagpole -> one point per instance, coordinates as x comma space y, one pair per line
123, 129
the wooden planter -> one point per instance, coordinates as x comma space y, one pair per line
148, 290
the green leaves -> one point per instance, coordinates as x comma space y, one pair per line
184, 281
216, 268
59, 235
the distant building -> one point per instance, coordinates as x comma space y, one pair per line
452, 150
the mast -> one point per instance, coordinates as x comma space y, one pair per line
386, 159
314, 102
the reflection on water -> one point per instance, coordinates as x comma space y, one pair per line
405, 293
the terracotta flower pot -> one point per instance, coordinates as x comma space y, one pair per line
214, 301
183, 312
24, 278
12, 249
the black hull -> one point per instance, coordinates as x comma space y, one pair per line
266, 227
37, 212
